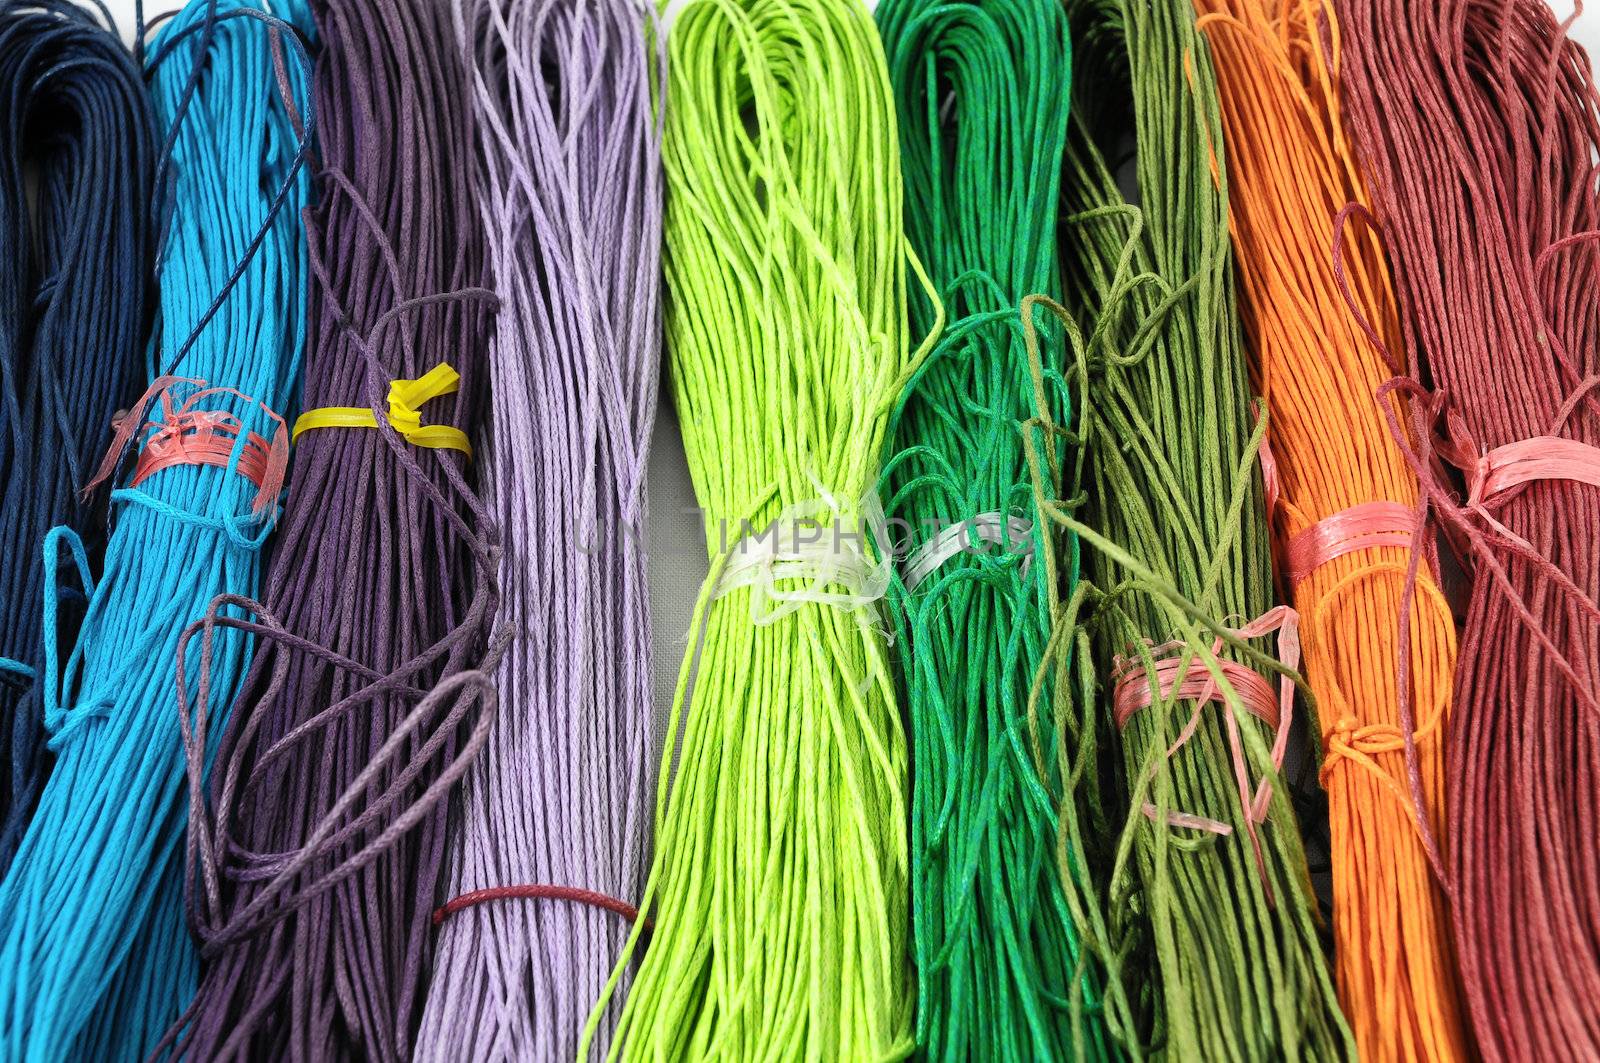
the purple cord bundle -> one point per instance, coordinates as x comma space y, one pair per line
570, 184
313, 869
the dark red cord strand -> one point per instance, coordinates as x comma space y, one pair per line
539, 892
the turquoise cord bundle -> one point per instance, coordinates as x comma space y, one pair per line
1003, 968
95, 960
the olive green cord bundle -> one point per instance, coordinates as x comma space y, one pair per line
1178, 541
982, 89
778, 891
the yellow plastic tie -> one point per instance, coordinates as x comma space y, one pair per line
405, 396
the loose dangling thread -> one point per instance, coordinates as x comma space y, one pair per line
1009, 954
317, 851
97, 958
567, 97
1481, 167
77, 248
778, 888
1378, 659
1177, 544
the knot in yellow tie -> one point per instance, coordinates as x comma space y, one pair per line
406, 398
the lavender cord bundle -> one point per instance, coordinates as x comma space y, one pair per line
314, 866
558, 806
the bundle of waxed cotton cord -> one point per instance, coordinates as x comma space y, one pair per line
557, 806
96, 958
1179, 548
779, 882
1347, 513
1478, 125
315, 868
1002, 967
75, 300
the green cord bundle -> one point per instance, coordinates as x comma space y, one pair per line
982, 88
1180, 547
779, 884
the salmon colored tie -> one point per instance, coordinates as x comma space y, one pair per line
1194, 682
1271, 484
1513, 465
1539, 458
1360, 527
186, 435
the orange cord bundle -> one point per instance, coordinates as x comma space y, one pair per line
1348, 499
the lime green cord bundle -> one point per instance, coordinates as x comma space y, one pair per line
1177, 540
982, 89
778, 891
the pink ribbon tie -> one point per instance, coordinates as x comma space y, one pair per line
1195, 682
1360, 527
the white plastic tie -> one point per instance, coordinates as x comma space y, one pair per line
819, 555
1013, 533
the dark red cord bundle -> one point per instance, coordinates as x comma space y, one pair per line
1479, 127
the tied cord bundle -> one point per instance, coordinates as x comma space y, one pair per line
1346, 486
559, 799
315, 868
97, 958
778, 888
1478, 126
1180, 548
1003, 972
74, 305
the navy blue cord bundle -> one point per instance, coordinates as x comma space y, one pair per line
75, 303
95, 958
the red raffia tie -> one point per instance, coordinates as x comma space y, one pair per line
190, 436
1195, 682
1272, 489
544, 893
1361, 527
